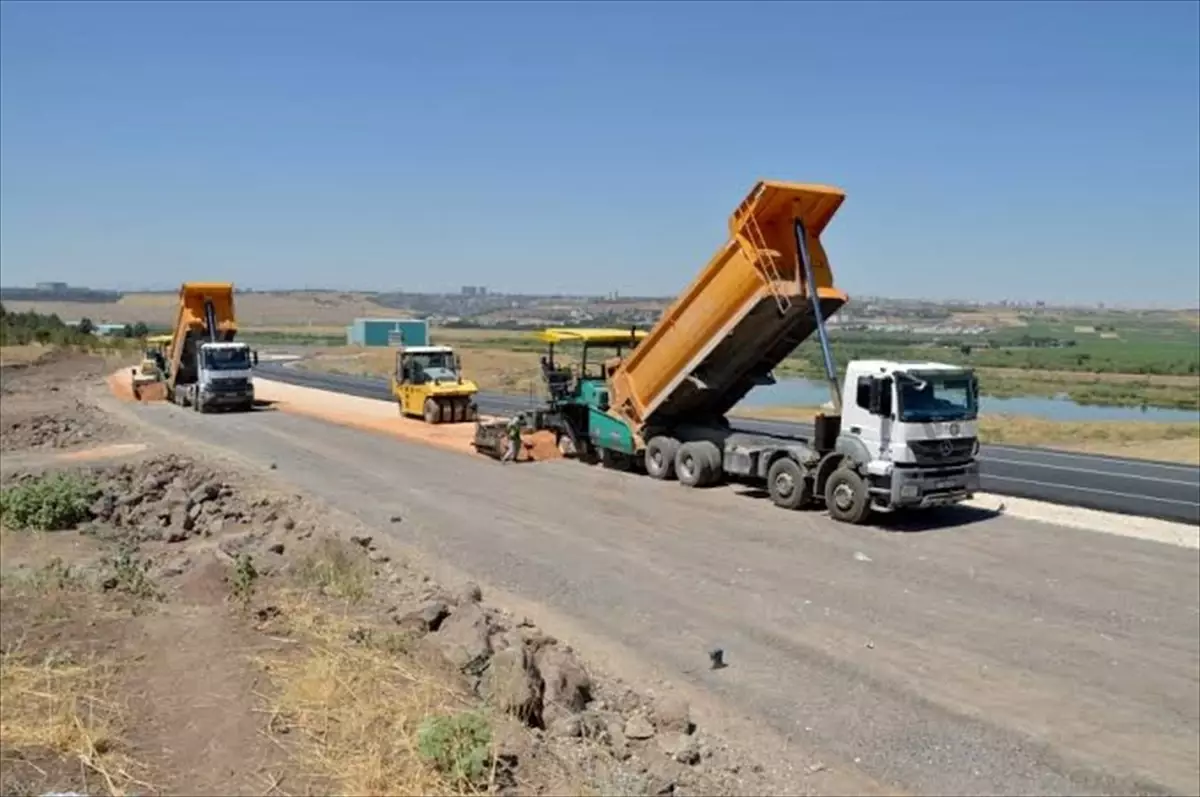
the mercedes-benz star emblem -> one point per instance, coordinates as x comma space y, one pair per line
947, 448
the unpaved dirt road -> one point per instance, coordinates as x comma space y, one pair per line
985, 655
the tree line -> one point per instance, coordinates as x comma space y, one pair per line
17, 329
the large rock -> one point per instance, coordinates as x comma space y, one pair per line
102, 507
679, 746
638, 728
203, 493
510, 684
463, 639
426, 617
568, 686
672, 713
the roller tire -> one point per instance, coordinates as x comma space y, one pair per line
432, 411
846, 497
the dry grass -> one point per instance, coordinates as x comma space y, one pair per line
59, 706
1168, 442
491, 369
357, 705
1078, 378
14, 355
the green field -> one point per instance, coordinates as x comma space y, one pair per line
1152, 359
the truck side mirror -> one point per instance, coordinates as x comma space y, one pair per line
254, 355
881, 397
875, 397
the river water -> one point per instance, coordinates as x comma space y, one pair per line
799, 392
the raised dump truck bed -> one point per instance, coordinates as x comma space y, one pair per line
206, 368
746, 311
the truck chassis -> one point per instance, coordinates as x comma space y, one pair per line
795, 472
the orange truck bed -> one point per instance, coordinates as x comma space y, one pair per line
191, 322
746, 311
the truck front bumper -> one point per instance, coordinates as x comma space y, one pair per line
919, 488
228, 398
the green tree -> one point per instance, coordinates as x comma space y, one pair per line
86, 326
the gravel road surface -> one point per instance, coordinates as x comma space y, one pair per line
980, 655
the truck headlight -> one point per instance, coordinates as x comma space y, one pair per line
909, 490
975, 448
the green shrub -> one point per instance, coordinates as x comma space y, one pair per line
47, 503
459, 745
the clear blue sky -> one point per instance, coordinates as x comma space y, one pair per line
1019, 150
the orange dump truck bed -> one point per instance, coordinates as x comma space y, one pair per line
746, 311
197, 300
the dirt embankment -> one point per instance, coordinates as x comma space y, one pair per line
283, 648
43, 405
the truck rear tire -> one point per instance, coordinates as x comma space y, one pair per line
433, 411
788, 484
846, 497
696, 465
660, 457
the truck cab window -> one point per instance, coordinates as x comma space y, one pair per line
226, 359
863, 393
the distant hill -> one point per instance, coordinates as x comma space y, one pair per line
60, 293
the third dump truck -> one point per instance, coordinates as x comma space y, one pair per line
206, 368
903, 435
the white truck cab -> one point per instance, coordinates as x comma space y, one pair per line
224, 376
911, 428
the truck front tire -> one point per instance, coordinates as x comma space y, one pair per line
660, 457
788, 484
846, 496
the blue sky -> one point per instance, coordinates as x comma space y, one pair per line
1008, 150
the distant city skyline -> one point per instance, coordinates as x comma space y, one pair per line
500, 293
988, 150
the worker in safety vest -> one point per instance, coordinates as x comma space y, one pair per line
513, 431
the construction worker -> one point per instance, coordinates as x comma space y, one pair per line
513, 449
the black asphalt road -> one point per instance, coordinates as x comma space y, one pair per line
1112, 484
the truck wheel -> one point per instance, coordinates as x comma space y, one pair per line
660, 457
694, 464
788, 485
433, 411
846, 497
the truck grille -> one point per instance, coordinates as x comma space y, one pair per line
941, 451
235, 385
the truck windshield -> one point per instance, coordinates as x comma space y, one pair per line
434, 362
226, 359
936, 397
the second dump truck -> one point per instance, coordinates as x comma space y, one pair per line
902, 435
206, 368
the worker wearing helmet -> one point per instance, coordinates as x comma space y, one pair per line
513, 430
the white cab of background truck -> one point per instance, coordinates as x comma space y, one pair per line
224, 375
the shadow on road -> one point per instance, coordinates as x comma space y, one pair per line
939, 519
936, 519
